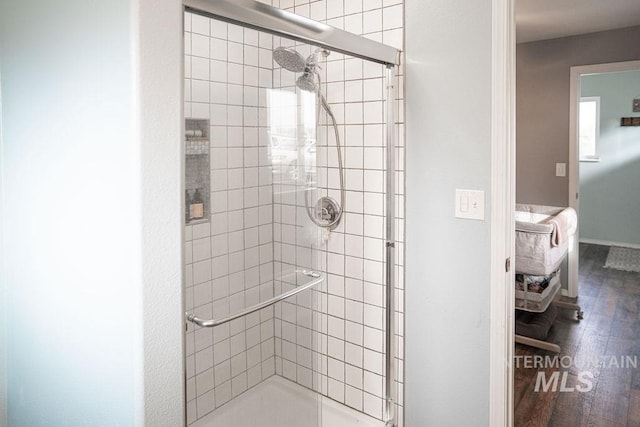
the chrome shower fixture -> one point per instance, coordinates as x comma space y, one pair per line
291, 60
327, 212
307, 82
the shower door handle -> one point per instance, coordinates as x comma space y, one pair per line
210, 323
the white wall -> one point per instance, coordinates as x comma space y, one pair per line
80, 162
158, 45
448, 51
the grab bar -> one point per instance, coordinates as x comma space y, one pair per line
215, 322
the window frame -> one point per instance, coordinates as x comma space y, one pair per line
594, 157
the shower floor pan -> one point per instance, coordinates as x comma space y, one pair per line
278, 402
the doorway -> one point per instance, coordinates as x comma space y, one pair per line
595, 76
606, 296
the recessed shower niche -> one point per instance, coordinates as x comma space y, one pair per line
197, 171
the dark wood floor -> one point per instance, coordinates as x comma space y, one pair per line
610, 328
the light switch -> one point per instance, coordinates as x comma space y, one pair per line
470, 204
561, 169
464, 202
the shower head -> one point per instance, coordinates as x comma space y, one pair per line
290, 59
307, 82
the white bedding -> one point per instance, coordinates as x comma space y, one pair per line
535, 253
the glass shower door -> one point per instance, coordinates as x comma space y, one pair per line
287, 253
249, 161
292, 136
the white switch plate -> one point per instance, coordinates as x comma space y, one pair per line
470, 204
561, 169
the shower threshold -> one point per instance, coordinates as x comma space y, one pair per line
278, 402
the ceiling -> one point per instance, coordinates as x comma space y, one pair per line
550, 19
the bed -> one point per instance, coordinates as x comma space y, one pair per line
542, 242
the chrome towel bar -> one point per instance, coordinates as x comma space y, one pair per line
318, 278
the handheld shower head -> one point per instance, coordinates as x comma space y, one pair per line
307, 82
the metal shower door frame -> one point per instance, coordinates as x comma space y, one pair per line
262, 17
391, 95
265, 18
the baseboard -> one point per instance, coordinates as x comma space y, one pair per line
607, 243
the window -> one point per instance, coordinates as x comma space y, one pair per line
589, 128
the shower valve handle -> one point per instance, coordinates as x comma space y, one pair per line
324, 214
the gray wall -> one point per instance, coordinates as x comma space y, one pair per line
3, 307
543, 105
448, 63
90, 154
610, 188
62, 218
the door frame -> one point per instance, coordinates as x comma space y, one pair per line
574, 154
503, 189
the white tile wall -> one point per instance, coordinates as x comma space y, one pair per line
348, 344
229, 261
351, 368
330, 340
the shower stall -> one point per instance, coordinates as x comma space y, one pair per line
290, 220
